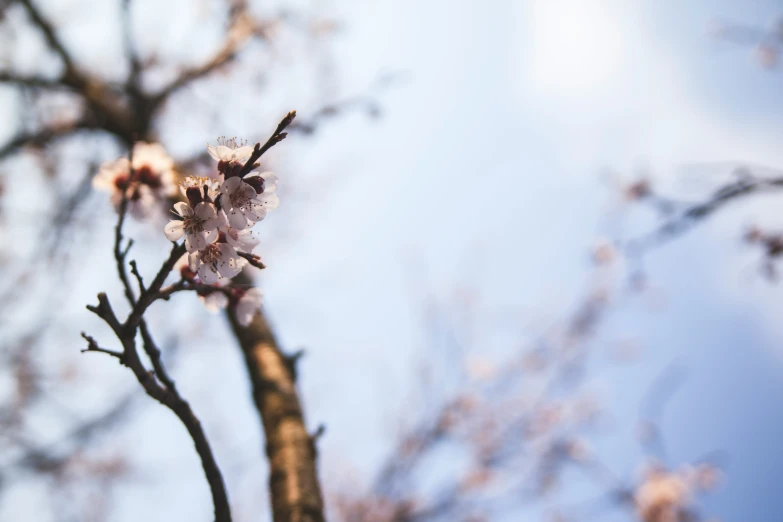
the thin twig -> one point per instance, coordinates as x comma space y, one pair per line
92, 346
695, 213
137, 275
273, 140
153, 291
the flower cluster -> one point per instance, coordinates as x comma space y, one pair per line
217, 219
145, 181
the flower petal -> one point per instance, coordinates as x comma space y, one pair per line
213, 152
237, 219
211, 224
222, 221
271, 201
193, 261
211, 236
242, 153
174, 230
255, 211
183, 209
244, 240
270, 182
230, 185
224, 153
205, 211
207, 274
197, 241
246, 191
227, 264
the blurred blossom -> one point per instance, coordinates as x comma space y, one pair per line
767, 55
480, 369
703, 476
213, 301
249, 305
662, 497
753, 234
604, 252
636, 190
578, 449
666, 496
151, 183
476, 478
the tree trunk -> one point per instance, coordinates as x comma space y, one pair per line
293, 481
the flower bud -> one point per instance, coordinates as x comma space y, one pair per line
194, 196
257, 182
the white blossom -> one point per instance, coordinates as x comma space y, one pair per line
242, 240
152, 181
198, 225
215, 260
213, 300
230, 150
242, 203
248, 306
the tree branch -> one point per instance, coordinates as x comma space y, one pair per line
168, 397
115, 118
166, 394
240, 31
31, 81
43, 137
692, 214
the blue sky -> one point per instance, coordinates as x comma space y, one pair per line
489, 175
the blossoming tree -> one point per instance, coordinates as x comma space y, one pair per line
522, 424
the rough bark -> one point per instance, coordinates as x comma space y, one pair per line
293, 479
